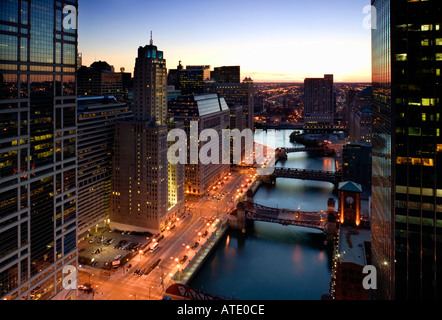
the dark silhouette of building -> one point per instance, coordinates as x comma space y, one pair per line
189, 80
100, 79
356, 159
231, 74
319, 100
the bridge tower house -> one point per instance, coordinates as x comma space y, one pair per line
238, 221
350, 203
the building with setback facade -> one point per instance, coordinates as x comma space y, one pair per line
140, 184
100, 79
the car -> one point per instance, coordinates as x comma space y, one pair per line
195, 245
92, 240
136, 272
184, 259
141, 273
118, 257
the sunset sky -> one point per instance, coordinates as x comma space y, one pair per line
278, 40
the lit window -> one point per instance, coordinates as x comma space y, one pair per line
427, 27
427, 102
401, 57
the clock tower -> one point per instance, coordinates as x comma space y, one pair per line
350, 203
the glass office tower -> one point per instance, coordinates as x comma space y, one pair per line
38, 217
407, 146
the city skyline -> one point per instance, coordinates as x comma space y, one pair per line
298, 40
265, 160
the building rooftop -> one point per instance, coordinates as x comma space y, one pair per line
350, 186
197, 105
352, 244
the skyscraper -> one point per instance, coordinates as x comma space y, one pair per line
236, 94
407, 146
96, 129
231, 74
319, 100
150, 85
38, 160
140, 198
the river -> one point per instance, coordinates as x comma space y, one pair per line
270, 261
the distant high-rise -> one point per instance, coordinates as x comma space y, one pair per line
189, 80
140, 198
236, 94
356, 159
38, 149
231, 74
407, 145
319, 100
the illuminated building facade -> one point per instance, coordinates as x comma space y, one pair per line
407, 145
229, 74
96, 129
100, 79
38, 144
210, 112
140, 198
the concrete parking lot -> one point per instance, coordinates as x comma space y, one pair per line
101, 248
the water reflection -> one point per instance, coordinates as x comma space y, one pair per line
270, 261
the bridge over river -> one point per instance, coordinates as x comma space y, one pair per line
250, 211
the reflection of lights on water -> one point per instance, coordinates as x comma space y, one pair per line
321, 256
228, 241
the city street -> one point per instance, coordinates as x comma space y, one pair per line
123, 284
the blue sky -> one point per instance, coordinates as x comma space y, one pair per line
279, 40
